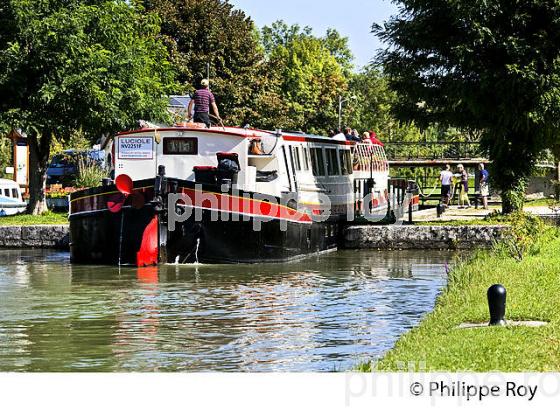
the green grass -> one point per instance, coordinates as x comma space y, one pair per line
48, 218
533, 287
539, 202
494, 218
462, 222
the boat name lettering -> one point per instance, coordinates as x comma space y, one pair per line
136, 148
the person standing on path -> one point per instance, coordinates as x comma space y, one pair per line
202, 100
445, 177
483, 181
464, 196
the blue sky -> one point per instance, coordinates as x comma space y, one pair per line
352, 18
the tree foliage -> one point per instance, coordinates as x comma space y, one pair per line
488, 65
211, 32
311, 74
68, 65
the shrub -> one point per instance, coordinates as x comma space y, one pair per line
90, 173
524, 236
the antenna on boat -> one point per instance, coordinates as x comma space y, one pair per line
208, 73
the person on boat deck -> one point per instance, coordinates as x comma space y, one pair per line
202, 100
365, 138
349, 135
373, 138
339, 136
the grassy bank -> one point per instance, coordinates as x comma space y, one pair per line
494, 218
48, 218
462, 222
533, 286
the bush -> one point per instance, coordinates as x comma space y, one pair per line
90, 173
524, 236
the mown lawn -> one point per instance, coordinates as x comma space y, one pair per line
462, 222
48, 218
533, 293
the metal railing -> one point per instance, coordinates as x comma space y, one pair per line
402, 150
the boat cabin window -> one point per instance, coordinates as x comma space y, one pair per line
7, 192
15, 193
180, 146
342, 162
317, 161
348, 159
332, 162
306, 159
297, 158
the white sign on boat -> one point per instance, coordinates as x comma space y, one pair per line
136, 148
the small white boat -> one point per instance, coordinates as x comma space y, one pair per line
11, 201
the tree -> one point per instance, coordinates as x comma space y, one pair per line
201, 32
69, 65
374, 101
485, 65
311, 74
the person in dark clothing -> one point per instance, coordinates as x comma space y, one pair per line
350, 136
483, 181
202, 100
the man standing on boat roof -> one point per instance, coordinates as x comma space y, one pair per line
202, 100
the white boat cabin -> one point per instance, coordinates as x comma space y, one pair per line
11, 201
270, 163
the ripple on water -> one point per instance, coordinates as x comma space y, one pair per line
321, 314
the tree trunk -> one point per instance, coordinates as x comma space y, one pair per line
39, 151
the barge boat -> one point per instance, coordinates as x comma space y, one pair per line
224, 195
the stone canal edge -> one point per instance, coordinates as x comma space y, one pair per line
35, 236
422, 236
353, 237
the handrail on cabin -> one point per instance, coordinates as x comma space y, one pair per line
370, 158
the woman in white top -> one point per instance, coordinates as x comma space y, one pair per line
445, 177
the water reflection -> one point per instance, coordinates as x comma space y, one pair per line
321, 314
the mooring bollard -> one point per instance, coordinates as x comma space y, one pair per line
440, 209
497, 305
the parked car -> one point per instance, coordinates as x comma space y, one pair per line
63, 168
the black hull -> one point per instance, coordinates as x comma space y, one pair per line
238, 242
96, 237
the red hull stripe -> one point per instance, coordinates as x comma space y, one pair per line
240, 205
202, 199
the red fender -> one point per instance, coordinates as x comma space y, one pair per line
149, 252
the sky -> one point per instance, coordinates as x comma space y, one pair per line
352, 18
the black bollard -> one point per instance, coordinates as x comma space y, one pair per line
497, 305
440, 209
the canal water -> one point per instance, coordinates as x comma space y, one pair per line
326, 313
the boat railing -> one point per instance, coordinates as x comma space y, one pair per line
401, 196
370, 158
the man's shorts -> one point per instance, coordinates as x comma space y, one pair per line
202, 117
446, 190
484, 191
